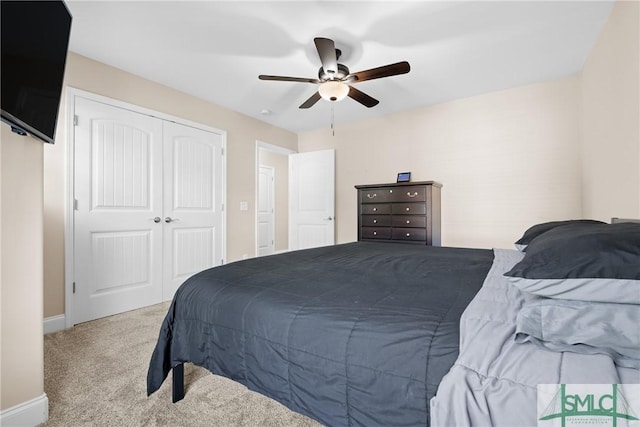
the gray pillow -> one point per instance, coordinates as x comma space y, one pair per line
583, 327
539, 229
597, 263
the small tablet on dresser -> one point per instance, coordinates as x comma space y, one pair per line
404, 177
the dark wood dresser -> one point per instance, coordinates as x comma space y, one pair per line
407, 212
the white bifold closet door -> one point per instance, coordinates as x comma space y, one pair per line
148, 208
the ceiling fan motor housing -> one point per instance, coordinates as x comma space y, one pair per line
342, 72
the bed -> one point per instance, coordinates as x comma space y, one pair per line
397, 334
353, 334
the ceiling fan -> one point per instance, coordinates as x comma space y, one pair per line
335, 79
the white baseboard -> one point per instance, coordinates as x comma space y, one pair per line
54, 324
28, 414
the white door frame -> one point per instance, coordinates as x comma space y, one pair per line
69, 251
278, 150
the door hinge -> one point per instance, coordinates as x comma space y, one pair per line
222, 207
222, 261
75, 120
74, 287
222, 151
75, 204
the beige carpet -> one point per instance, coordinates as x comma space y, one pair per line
95, 375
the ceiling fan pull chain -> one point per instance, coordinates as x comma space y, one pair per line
333, 131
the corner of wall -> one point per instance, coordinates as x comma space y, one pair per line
610, 125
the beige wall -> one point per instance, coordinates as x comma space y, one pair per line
242, 133
506, 160
562, 149
21, 345
610, 121
280, 164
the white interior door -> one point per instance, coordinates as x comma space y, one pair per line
118, 192
266, 211
311, 192
193, 204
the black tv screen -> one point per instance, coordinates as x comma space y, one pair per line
35, 39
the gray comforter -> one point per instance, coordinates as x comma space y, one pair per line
494, 381
354, 334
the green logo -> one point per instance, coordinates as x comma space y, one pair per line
588, 405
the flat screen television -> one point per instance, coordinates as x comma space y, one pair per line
35, 39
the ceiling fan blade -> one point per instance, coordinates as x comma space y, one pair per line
288, 79
327, 52
362, 97
311, 101
379, 72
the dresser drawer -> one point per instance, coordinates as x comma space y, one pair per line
409, 208
375, 233
376, 220
377, 208
416, 193
375, 195
409, 234
409, 221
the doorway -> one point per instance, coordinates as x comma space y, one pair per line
303, 194
276, 232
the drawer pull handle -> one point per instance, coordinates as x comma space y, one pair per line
371, 196
408, 222
375, 233
408, 234
415, 193
407, 209
375, 209
375, 221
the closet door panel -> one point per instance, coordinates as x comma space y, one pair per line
118, 192
193, 203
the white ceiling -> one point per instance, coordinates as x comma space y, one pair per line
215, 50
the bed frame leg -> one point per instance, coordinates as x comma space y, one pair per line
177, 388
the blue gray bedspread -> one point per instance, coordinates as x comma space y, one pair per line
353, 334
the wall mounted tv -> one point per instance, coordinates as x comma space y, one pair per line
35, 39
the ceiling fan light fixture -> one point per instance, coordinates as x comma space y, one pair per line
333, 90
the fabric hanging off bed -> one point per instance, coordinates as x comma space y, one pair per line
353, 334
